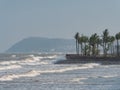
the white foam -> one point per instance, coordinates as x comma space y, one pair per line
31, 55
37, 58
34, 73
50, 57
28, 60
91, 65
109, 76
33, 63
43, 57
8, 62
31, 60
85, 66
78, 80
10, 67
13, 56
10, 77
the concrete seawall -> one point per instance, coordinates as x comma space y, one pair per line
74, 59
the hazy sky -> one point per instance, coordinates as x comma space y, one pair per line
55, 18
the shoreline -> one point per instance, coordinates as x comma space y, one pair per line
77, 59
108, 62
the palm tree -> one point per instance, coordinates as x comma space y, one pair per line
85, 41
91, 45
93, 42
117, 36
98, 42
105, 41
80, 41
77, 45
111, 41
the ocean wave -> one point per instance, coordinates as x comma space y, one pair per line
30, 60
10, 77
51, 57
109, 76
70, 68
34, 63
78, 80
43, 57
8, 62
91, 65
10, 67
27, 61
13, 56
34, 73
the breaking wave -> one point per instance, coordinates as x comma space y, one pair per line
109, 76
10, 67
31, 60
78, 80
17, 76
33, 73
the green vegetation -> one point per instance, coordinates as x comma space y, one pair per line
95, 45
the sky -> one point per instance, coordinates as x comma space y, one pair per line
21, 19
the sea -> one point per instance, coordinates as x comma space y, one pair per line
38, 71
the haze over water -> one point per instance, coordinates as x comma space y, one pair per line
21, 19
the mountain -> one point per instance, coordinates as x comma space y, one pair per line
38, 44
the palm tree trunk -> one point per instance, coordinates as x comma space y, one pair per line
85, 50
97, 49
89, 49
103, 48
105, 53
81, 49
117, 48
113, 50
78, 47
93, 50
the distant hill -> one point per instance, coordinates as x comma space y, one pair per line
38, 44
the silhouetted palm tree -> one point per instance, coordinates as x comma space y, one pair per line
90, 46
93, 42
117, 36
105, 41
80, 41
77, 45
111, 40
85, 41
99, 42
